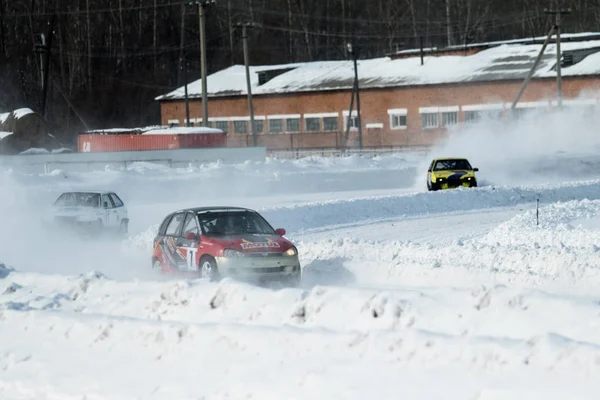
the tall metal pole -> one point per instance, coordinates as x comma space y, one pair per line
558, 60
2, 50
558, 13
248, 83
48, 53
201, 5
360, 138
187, 100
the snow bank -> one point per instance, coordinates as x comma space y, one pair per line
322, 341
334, 214
570, 225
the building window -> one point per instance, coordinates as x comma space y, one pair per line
240, 127
313, 124
222, 125
472, 116
398, 121
259, 126
353, 122
449, 118
330, 124
275, 125
429, 120
292, 125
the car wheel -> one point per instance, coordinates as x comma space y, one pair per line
294, 280
94, 229
123, 228
208, 269
157, 265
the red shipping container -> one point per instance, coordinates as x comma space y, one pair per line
105, 143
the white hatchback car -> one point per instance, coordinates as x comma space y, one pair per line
92, 212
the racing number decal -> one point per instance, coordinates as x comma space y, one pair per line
191, 258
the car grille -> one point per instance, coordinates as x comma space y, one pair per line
267, 270
270, 254
65, 220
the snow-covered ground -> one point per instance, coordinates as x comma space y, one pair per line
462, 294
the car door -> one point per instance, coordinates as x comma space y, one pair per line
120, 210
109, 211
187, 243
171, 254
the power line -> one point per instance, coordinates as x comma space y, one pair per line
93, 10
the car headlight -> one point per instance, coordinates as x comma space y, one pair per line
291, 252
232, 253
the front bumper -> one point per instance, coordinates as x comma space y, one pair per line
69, 225
454, 183
258, 266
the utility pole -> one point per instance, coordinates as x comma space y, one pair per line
201, 14
354, 53
185, 81
558, 13
46, 49
2, 49
248, 82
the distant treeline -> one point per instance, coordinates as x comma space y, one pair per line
110, 58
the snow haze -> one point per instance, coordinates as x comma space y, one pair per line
460, 294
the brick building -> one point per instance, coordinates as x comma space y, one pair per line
410, 98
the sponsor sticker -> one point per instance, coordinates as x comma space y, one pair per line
269, 244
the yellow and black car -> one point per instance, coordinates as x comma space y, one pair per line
450, 173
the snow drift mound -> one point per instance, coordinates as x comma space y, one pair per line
306, 217
573, 224
136, 332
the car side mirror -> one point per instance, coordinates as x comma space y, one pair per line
280, 231
106, 204
476, 169
191, 236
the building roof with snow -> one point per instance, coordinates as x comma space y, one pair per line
184, 131
495, 61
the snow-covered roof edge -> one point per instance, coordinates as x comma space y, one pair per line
507, 62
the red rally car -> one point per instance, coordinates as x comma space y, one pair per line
214, 242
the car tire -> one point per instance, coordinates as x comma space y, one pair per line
207, 267
157, 265
94, 230
123, 228
295, 280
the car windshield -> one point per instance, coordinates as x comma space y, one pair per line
444, 165
78, 200
233, 223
